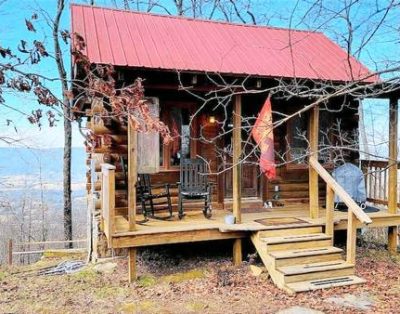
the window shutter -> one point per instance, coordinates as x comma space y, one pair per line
148, 157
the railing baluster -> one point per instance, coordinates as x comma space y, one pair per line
385, 197
351, 238
330, 196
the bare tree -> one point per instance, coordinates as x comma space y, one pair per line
14, 76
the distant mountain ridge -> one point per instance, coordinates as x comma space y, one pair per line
29, 162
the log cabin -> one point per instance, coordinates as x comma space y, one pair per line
294, 236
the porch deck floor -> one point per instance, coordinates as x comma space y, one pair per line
194, 220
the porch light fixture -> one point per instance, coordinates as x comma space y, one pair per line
211, 119
194, 79
258, 83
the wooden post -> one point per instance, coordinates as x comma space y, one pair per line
108, 200
330, 195
132, 264
351, 238
10, 251
237, 174
313, 130
392, 200
237, 252
237, 150
132, 176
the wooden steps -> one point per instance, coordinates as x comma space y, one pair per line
302, 258
325, 283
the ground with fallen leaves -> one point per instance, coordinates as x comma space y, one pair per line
187, 279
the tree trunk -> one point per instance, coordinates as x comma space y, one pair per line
67, 126
67, 174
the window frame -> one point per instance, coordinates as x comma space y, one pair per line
288, 143
194, 130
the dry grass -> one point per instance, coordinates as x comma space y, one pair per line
188, 280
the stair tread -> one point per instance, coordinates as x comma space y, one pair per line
305, 252
300, 225
295, 238
309, 285
314, 267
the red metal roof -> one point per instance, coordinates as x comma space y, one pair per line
135, 39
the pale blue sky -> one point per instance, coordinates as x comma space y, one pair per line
381, 51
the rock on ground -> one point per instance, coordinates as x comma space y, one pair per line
360, 302
299, 310
105, 268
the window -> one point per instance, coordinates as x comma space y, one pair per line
297, 137
177, 118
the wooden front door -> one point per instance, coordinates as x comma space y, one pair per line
250, 179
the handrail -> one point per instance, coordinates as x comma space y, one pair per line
377, 163
337, 188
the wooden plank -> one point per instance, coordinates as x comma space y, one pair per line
237, 150
173, 238
313, 175
108, 200
351, 238
132, 264
132, 176
237, 252
380, 202
330, 196
50, 242
324, 284
377, 222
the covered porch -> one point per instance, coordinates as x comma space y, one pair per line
123, 231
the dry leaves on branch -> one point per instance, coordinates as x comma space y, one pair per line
44, 96
30, 26
4, 52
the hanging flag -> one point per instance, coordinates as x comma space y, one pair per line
262, 133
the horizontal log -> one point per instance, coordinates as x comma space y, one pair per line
101, 127
123, 149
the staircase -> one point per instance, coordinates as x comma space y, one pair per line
302, 258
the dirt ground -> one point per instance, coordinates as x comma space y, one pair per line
191, 279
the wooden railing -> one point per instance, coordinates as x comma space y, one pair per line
376, 174
354, 211
108, 199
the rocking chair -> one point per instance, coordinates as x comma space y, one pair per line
194, 185
147, 197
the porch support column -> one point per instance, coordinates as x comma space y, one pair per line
392, 197
132, 264
313, 131
237, 150
237, 175
132, 176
